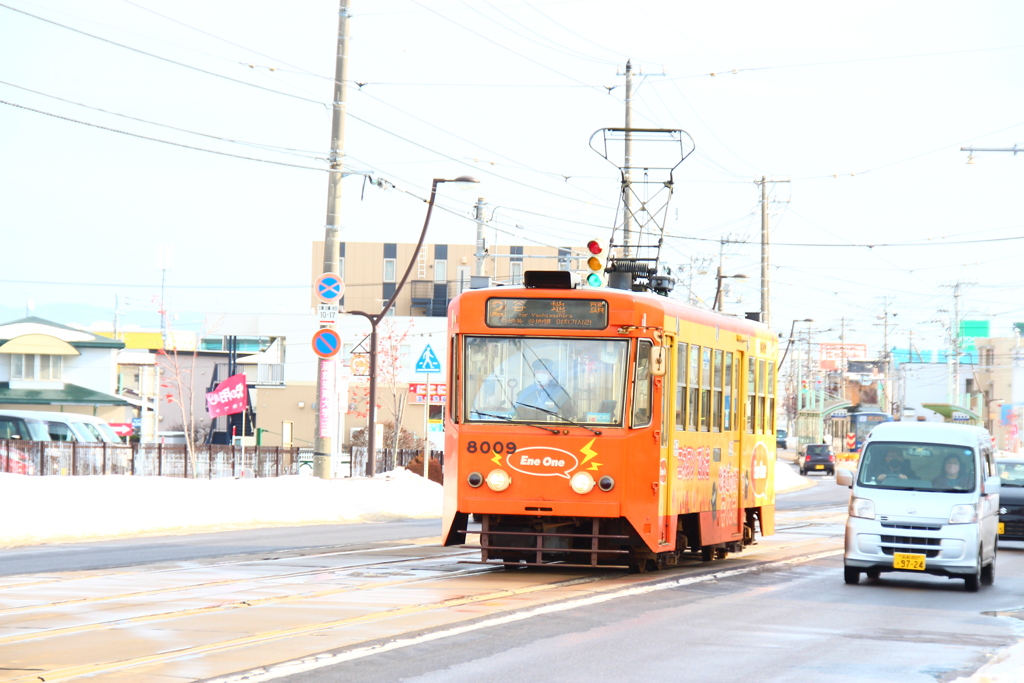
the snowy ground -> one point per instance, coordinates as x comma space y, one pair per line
63, 509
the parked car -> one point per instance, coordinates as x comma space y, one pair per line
20, 429
780, 438
816, 457
67, 426
1011, 498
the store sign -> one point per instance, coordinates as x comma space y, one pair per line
359, 364
418, 393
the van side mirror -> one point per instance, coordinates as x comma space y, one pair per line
844, 478
990, 485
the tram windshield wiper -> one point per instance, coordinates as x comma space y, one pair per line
506, 418
560, 417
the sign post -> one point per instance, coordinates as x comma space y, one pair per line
329, 289
426, 364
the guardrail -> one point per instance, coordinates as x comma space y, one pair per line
61, 458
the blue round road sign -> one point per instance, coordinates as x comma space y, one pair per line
326, 343
329, 288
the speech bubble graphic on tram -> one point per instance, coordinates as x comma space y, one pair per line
542, 461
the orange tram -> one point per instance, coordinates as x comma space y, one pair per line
600, 427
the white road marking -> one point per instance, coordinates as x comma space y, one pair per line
320, 661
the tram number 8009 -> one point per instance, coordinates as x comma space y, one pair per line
487, 447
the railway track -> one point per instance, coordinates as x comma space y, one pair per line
199, 621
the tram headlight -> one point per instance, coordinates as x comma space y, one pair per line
498, 480
606, 483
475, 479
582, 483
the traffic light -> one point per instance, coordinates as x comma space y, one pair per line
596, 262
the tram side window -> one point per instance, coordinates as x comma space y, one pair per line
751, 394
728, 405
693, 378
760, 396
681, 355
705, 389
642, 386
771, 397
716, 411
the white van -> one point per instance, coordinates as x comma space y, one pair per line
69, 426
925, 499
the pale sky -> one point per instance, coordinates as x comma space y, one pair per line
862, 107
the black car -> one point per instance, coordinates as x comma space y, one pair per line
1011, 498
780, 438
816, 457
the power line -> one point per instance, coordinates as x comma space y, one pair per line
286, 150
165, 142
929, 243
163, 59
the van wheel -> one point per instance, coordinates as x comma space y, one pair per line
988, 573
851, 576
973, 581
873, 574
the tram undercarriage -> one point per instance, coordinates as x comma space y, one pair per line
514, 541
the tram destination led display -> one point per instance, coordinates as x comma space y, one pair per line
548, 314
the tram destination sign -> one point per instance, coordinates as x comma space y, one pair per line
548, 314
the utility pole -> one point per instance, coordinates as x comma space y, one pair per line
765, 259
326, 427
627, 189
886, 357
956, 343
842, 361
765, 283
478, 216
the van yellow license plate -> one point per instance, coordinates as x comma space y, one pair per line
908, 561
819, 467
1002, 528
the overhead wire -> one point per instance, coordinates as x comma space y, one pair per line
284, 150
577, 55
165, 59
165, 142
496, 43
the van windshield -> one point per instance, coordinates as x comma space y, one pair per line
917, 467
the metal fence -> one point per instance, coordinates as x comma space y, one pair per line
387, 460
41, 458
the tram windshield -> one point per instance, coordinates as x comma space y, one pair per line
536, 379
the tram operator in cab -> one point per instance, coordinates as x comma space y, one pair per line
545, 395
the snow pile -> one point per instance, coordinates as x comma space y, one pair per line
63, 509
786, 478
58, 509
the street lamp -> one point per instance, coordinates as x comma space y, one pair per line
718, 289
371, 436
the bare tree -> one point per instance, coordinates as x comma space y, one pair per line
389, 370
181, 374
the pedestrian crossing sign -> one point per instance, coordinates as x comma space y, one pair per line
428, 361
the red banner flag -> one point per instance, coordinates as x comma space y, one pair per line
228, 398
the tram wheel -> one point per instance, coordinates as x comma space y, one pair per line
707, 553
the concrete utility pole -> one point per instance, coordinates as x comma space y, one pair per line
842, 361
627, 190
765, 258
478, 216
326, 427
765, 282
956, 343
